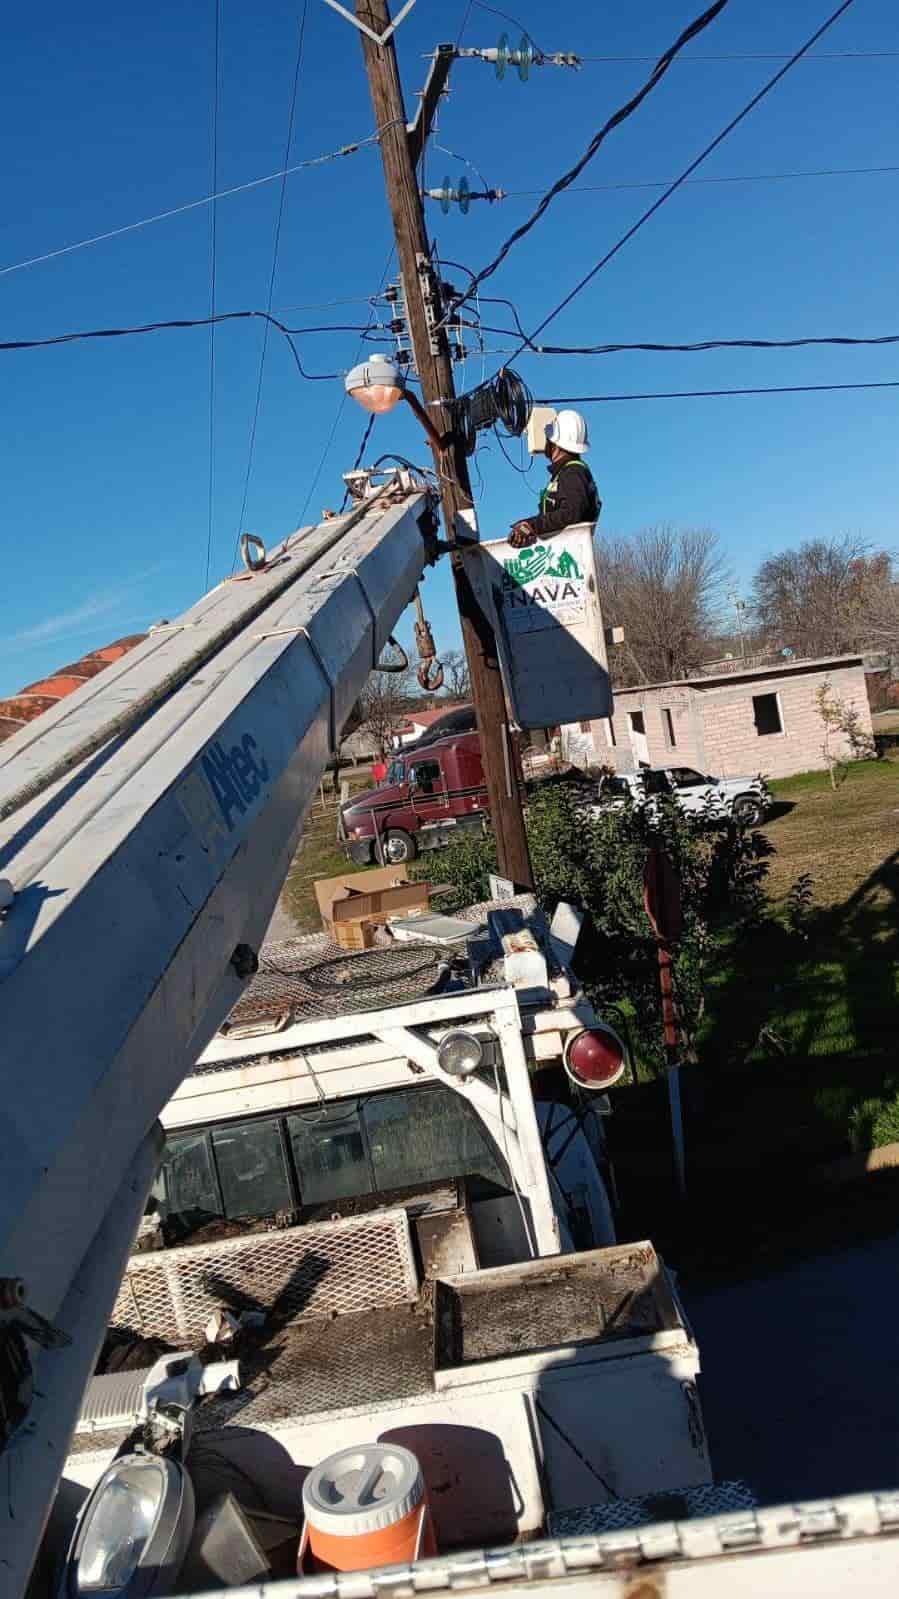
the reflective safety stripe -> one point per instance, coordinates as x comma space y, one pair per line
548, 495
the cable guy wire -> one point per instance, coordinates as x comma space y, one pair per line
251, 451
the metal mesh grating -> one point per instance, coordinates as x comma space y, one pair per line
330, 1365
308, 979
295, 1275
707, 1499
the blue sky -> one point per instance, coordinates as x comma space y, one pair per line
105, 119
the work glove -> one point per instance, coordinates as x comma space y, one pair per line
522, 535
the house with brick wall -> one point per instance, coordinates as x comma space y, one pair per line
762, 719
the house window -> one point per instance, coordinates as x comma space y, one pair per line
766, 713
638, 724
585, 727
668, 728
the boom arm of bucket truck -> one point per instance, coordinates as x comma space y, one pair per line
146, 827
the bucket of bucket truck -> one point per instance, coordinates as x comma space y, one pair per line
543, 604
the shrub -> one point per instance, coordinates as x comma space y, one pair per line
874, 1122
597, 862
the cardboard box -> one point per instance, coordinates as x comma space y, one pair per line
355, 903
381, 904
328, 890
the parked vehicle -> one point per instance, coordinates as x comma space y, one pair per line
429, 795
747, 799
431, 792
461, 719
429, 1246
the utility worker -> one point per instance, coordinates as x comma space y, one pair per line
571, 494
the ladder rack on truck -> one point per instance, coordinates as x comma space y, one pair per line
146, 827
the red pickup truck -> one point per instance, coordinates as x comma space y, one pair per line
429, 795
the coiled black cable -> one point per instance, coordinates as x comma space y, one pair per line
506, 398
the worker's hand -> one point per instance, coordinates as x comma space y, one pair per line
522, 535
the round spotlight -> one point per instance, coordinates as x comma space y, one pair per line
460, 1053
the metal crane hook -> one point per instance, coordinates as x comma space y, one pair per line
430, 683
430, 672
252, 552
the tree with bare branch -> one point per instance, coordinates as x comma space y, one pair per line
828, 596
383, 706
663, 585
455, 674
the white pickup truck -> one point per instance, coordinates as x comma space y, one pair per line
403, 1207
747, 799
381, 1160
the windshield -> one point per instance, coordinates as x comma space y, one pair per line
408, 1139
396, 771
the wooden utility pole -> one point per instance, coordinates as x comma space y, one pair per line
424, 311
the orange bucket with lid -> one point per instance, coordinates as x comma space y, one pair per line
365, 1506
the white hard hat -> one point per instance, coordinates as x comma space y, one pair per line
569, 431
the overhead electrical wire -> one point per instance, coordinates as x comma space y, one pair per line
732, 55
698, 26
705, 394
511, 393
749, 177
700, 345
176, 323
193, 205
740, 55
276, 246
507, 17
213, 220
326, 450
689, 170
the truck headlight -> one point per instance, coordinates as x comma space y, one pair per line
133, 1532
460, 1053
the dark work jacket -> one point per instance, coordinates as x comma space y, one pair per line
570, 496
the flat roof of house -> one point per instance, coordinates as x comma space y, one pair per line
751, 673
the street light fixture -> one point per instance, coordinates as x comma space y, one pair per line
378, 385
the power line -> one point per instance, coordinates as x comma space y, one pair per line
213, 219
662, 183
464, 23
271, 282
661, 67
507, 17
175, 323
700, 345
705, 394
193, 205
689, 170
340, 408
738, 55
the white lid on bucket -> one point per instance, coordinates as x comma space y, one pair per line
362, 1490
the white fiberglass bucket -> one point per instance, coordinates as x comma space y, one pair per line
543, 602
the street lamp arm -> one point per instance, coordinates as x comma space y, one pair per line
438, 441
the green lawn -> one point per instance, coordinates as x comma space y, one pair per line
802, 1029
320, 855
